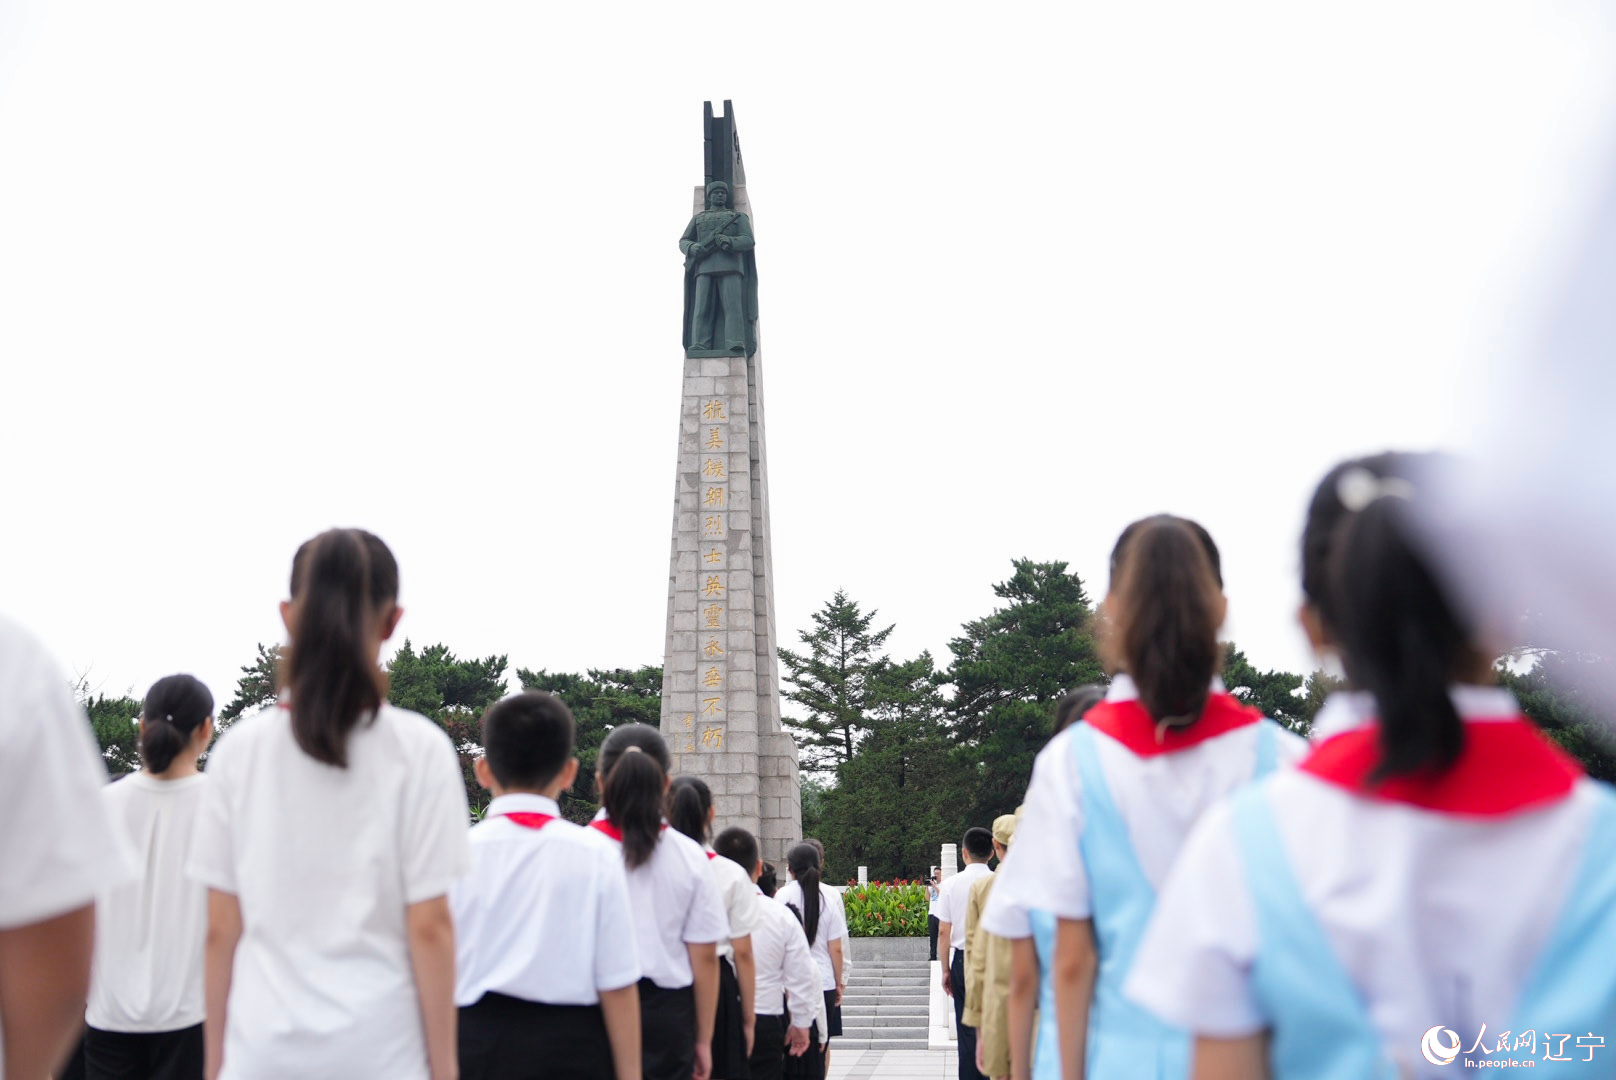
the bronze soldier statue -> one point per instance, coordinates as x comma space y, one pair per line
720, 279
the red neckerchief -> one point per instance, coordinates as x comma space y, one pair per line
529, 819
1506, 766
711, 855
605, 825
1129, 724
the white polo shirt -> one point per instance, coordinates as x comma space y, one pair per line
786, 973
832, 926
324, 862
1160, 798
57, 844
149, 931
956, 898
739, 897
675, 904
1436, 917
544, 913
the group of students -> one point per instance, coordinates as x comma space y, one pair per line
1192, 890
1188, 890
319, 904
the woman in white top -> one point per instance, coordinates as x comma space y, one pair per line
145, 1012
1436, 880
679, 916
690, 810
1113, 798
331, 830
826, 929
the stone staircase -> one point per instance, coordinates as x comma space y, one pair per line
885, 1006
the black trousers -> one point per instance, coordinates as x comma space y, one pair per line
507, 1038
931, 930
967, 1035
667, 1032
729, 1028
144, 1055
768, 1047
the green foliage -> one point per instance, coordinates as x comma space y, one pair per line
600, 701
1555, 691
886, 909
256, 687
453, 693
1273, 693
1009, 668
832, 682
114, 721
905, 792
1319, 686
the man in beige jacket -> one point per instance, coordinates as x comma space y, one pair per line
987, 968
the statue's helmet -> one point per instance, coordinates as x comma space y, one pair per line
716, 185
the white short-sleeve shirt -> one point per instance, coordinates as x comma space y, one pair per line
739, 896
544, 913
956, 898
324, 861
149, 932
1436, 917
675, 905
1160, 798
57, 846
786, 971
832, 926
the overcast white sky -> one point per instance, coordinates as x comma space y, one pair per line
1025, 277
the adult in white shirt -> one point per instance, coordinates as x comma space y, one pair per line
546, 962
57, 849
679, 917
825, 927
145, 1012
690, 810
331, 830
934, 893
977, 847
787, 987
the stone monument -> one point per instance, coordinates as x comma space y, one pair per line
720, 678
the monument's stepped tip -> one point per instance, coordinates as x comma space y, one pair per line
720, 678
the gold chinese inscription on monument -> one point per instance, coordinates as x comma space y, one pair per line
713, 737
713, 648
714, 497
713, 469
713, 410
714, 586
714, 525
714, 556
711, 706
715, 439
714, 614
712, 678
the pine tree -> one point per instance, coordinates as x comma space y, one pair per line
832, 682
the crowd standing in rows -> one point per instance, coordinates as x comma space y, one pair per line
1188, 889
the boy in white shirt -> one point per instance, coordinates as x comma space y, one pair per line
547, 969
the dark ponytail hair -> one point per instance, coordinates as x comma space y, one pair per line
689, 800
342, 581
1166, 584
1400, 637
803, 861
633, 766
175, 706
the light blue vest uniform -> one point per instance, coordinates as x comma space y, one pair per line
1321, 1025
1124, 1041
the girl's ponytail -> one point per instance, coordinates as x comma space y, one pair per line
633, 765
1166, 607
689, 800
342, 581
175, 706
803, 860
1400, 637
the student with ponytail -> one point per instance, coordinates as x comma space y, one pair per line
1436, 874
330, 831
826, 929
145, 1011
1113, 797
690, 810
679, 916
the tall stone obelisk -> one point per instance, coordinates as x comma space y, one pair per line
720, 678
